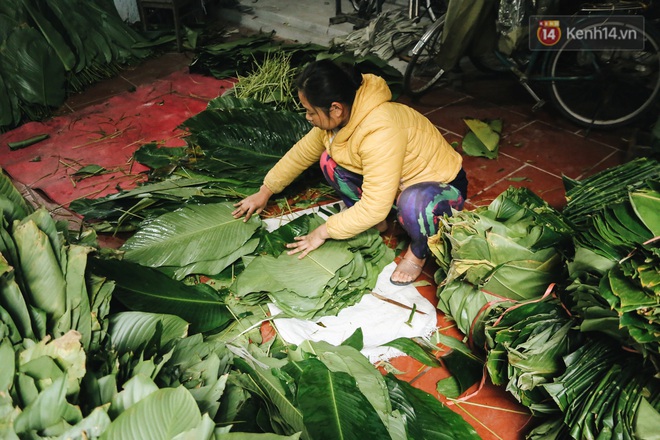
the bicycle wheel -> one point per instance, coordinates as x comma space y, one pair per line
423, 70
606, 88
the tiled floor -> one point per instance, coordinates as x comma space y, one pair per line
536, 150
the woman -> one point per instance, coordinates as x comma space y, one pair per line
371, 150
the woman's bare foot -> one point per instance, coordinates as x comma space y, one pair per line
408, 269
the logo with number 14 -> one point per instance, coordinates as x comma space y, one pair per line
548, 32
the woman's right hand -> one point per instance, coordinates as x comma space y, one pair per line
253, 204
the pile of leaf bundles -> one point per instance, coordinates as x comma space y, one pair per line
525, 347
387, 35
334, 276
42, 288
195, 239
56, 46
616, 209
605, 393
231, 146
509, 250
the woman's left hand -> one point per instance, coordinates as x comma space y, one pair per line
307, 243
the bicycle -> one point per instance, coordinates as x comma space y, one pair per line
593, 88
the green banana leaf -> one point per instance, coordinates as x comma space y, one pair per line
165, 413
144, 289
45, 411
647, 207
54, 38
344, 412
266, 382
349, 360
12, 203
424, 415
34, 72
40, 268
10, 116
131, 331
204, 239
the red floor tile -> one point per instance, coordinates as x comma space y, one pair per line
548, 186
484, 173
450, 117
556, 151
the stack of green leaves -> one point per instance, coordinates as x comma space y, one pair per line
330, 278
50, 47
329, 392
42, 288
509, 250
616, 209
525, 347
632, 290
603, 393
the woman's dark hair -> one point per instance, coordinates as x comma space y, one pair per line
324, 82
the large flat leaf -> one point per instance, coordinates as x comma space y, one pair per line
343, 412
42, 273
272, 388
11, 114
425, 416
46, 410
647, 207
162, 415
132, 330
144, 289
189, 235
12, 204
36, 75
54, 38
349, 360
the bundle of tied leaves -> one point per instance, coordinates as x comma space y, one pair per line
508, 251
617, 209
615, 275
332, 277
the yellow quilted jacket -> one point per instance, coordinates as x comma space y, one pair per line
391, 145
